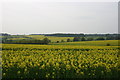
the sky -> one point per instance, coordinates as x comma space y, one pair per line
50, 16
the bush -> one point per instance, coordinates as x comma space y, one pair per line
107, 44
100, 38
27, 41
46, 41
68, 40
83, 39
76, 39
89, 39
57, 41
62, 41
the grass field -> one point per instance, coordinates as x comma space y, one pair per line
40, 37
52, 38
76, 60
91, 43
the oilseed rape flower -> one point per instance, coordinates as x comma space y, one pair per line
47, 61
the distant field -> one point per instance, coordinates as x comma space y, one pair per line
17, 38
91, 43
52, 38
40, 37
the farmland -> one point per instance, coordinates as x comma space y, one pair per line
91, 43
52, 38
61, 61
39, 37
57, 39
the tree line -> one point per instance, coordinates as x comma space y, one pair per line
90, 39
27, 41
30, 40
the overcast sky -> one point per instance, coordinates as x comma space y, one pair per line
26, 17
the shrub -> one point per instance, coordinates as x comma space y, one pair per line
83, 39
57, 41
89, 39
100, 38
76, 39
107, 44
68, 40
62, 41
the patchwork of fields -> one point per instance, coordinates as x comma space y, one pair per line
91, 43
61, 61
40, 37
53, 39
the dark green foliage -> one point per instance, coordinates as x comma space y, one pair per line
109, 38
112, 36
100, 38
46, 40
76, 39
65, 35
90, 39
62, 41
83, 39
68, 40
49, 41
4, 34
27, 41
107, 44
57, 41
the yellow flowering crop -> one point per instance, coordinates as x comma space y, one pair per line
57, 61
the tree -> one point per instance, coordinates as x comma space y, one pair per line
46, 41
62, 41
4, 34
49, 40
100, 38
57, 41
4, 39
89, 39
107, 44
83, 39
68, 40
117, 37
76, 39
109, 38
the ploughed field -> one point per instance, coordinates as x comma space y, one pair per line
59, 61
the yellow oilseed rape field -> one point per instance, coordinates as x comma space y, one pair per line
59, 61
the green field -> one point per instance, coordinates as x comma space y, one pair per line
40, 37
88, 59
91, 43
52, 38
82, 43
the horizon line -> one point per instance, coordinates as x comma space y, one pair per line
58, 33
